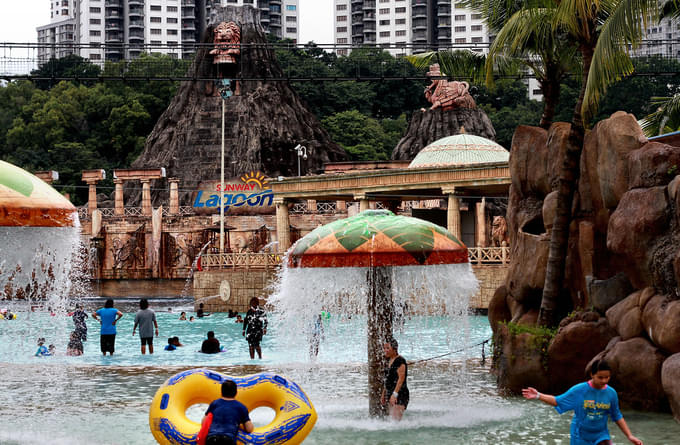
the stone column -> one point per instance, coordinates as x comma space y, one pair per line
341, 206
311, 205
174, 196
282, 225
453, 213
91, 196
480, 226
364, 204
146, 197
119, 199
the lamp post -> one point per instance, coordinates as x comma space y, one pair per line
301, 153
224, 87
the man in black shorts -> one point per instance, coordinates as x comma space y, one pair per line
146, 320
108, 316
254, 327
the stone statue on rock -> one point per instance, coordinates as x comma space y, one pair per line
445, 94
227, 40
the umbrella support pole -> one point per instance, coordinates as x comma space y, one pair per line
380, 314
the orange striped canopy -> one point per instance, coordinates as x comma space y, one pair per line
377, 238
26, 200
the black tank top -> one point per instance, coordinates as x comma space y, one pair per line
391, 376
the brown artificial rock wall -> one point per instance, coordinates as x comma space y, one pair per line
623, 259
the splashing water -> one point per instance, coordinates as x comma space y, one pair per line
40, 266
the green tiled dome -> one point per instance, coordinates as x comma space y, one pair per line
461, 149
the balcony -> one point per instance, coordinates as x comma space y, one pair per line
188, 13
113, 26
419, 13
444, 11
369, 27
136, 12
136, 24
369, 17
370, 5
136, 3
114, 4
136, 35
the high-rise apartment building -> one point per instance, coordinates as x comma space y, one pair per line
61, 32
416, 25
123, 29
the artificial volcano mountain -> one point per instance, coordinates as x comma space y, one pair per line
264, 121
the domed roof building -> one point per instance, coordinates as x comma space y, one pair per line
459, 150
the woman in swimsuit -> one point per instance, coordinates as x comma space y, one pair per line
395, 381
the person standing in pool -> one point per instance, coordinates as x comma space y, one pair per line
395, 381
107, 316
146, 320
593, 403
79, 316
254, 327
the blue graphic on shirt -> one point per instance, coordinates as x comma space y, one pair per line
592, 408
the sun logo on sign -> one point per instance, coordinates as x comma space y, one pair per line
257, 178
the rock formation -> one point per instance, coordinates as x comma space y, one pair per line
623, 264
428, 126
265, 119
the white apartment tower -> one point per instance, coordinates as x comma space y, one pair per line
60, 32
123, 29
416, 25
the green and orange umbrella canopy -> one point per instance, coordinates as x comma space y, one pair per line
26, 200
377, 238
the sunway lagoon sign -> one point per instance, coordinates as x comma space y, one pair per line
250, 192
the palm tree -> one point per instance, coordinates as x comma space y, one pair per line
665, 119
601, 29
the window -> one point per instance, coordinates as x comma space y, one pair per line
94, 33
384, 33
400, 10
384, 22
171, 9
155, 7
291, 18
476, 16
291, 8
172, 43
459, 18
171, 20
477, 40
156, 42
459, 40
95, 56
537, 92
155, 31
384, 10
459, 6
342, 18
342, 52
341, 29
342, 40
291, 30
341, 7
93, 10
171, 32
384, 1
400, 21
476, 28
459, 29
95, 21
156, 19
400, 33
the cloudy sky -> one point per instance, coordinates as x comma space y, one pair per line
19, 18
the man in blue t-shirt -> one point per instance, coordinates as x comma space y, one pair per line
107, 316
228, 415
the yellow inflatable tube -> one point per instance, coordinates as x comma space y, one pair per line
294, 419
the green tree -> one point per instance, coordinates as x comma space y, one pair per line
71, 67
361, 136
